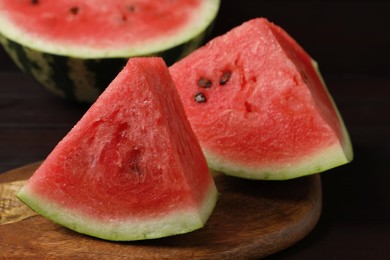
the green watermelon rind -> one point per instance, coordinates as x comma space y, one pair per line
326, 158
200, 23
75, 79
81, 77
78, 79
178, 221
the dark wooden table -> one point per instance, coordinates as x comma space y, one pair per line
350, 41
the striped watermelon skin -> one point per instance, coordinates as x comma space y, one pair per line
80, 79
80, 73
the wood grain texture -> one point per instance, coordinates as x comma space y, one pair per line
12, 210
252, 219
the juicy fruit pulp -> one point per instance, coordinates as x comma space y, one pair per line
259, 107
92, 28
131, 168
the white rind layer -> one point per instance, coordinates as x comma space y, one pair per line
199, 22
323, 159
178, 221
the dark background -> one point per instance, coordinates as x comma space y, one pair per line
350, 41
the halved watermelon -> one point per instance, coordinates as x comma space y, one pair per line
75, 48
131, 168
259, 107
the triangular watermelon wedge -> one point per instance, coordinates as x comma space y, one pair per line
259, 107
131, 168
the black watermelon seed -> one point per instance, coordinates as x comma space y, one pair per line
135, 161
225, 78
35, 2
131, 8
304, 77
204, 83
200, 97
74, 10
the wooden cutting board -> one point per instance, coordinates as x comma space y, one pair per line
252, 219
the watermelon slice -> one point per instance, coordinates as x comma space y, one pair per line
131, 168
76, 48
259, 107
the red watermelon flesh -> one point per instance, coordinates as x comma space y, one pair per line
131, 168
136, 25
259, 107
